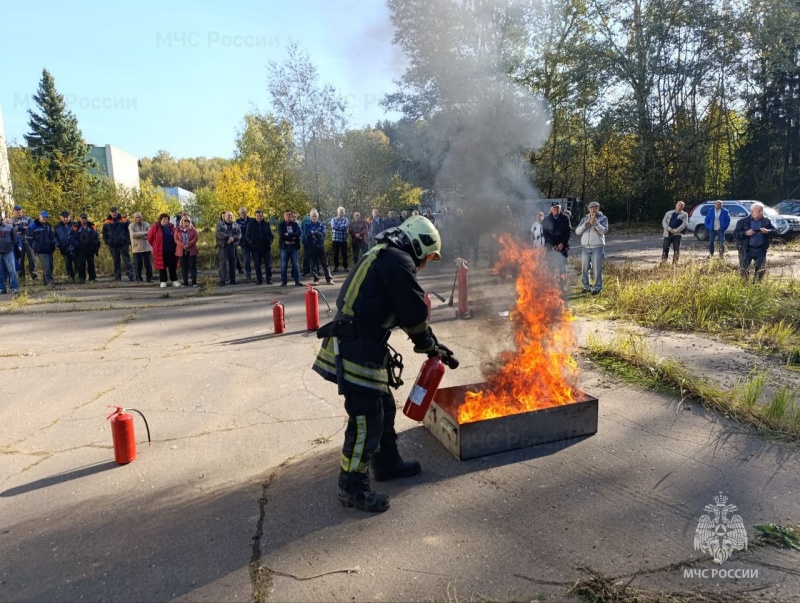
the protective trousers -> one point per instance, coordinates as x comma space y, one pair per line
370, 428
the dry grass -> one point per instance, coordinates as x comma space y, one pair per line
708, 298
603, 589
778, 416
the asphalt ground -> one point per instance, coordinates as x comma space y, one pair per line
235, 497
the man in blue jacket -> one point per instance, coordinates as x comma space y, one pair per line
42, 240
314, 232
716, 223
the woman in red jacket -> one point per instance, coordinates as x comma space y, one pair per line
161, 237
186, 249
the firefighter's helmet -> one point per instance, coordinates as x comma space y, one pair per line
423, 239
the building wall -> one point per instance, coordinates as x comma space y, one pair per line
6, 202
121, 167
181, 194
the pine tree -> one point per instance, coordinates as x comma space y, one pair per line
55, 136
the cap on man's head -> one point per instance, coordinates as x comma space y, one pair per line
594, 204
65, 214
112, 209
555, 204
17, 207
84, 215
44, 214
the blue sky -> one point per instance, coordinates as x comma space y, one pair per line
180, 75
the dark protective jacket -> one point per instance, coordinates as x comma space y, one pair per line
555, 230
63, 231
84, 240
41, 237
381, 293
21, 225
259, 235
8, 238
115, 232
288, 235
744, 224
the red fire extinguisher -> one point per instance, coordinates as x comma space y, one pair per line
463, 288
278, 322
428, 380
312, 308
123, 434
428, 303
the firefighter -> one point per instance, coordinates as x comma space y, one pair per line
380, 293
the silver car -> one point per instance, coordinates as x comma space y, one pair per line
789, 209
737, 211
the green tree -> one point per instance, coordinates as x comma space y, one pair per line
266, 147
314, 111
207, 207
769, 158
55, 136
32, 187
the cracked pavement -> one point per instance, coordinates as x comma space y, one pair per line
235, 498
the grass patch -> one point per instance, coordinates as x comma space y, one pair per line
603, 589
57, 298
783, 537
779, 416
17, 301
705, 297
207, 284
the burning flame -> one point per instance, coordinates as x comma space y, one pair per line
541, 372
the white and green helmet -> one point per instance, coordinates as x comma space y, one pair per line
423, 238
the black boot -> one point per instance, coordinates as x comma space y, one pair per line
388, 465
354, 491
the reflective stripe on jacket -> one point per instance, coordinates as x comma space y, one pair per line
381, 292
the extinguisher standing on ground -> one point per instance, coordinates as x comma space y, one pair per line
123, 435
428, 380
462, 275
278, 321
312, 308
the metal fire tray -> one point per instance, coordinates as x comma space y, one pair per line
500, 434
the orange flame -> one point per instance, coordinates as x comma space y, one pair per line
541, 372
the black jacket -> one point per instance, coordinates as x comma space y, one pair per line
84, 240
381, 293
259, 235
744, 224
115, 232
288, 239
556, 230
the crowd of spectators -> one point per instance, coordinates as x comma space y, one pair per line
244, 245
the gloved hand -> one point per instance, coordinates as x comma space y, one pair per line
426, 346
425, 342
446, 354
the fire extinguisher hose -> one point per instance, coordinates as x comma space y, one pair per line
326, 300
149, 441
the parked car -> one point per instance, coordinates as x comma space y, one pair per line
789, 210
737, 211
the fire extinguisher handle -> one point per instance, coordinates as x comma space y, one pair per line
450, 362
